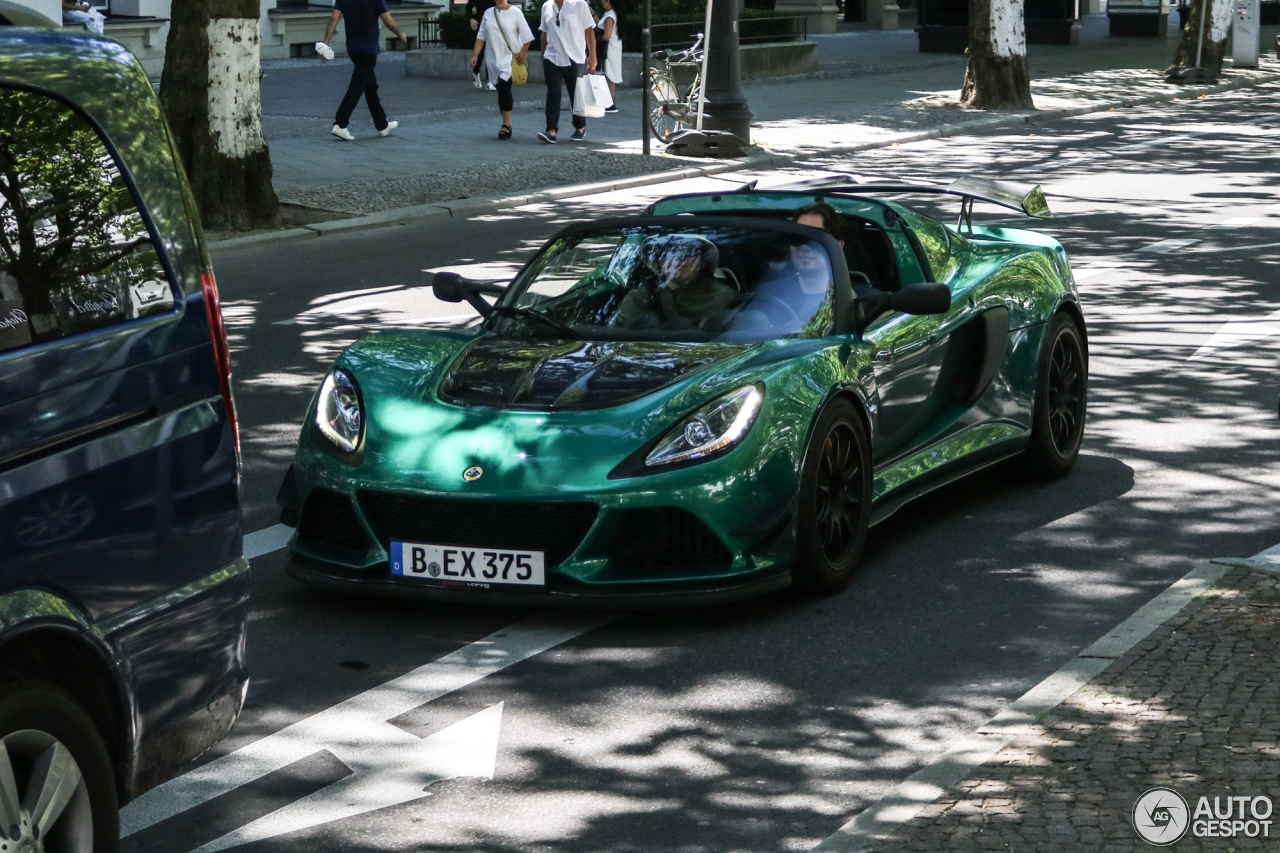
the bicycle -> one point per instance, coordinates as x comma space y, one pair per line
674, 105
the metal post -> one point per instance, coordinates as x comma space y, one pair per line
706, 52
644, 78
1204, 13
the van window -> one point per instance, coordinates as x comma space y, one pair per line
75, 254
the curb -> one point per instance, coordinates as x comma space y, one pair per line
885, 816
463, 208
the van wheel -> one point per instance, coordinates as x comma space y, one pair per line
835, 501
1057, 419
57, 786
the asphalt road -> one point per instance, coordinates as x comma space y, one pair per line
766, 725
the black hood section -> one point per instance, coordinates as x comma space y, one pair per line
548, 375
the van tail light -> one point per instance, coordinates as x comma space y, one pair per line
221, 354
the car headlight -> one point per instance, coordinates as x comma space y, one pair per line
339, 415
720, 424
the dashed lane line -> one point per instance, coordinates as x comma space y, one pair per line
1170, 245
265, 541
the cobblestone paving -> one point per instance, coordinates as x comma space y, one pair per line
1194, 707
509, 177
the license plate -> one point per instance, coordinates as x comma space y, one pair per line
474, 568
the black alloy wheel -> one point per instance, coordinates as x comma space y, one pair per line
57, 786
835, 501
1057, 427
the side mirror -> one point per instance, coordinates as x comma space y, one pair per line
926, 297
447, 286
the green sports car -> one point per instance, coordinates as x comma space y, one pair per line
706, 402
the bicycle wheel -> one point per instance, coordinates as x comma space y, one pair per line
665, 107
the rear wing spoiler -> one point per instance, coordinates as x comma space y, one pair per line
1028, 200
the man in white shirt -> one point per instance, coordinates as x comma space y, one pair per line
568, 52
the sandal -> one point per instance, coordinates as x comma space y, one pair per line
505, 132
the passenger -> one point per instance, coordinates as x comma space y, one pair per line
688, 292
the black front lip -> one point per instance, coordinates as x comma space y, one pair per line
320, 574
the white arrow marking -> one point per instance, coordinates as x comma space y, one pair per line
389, 767
354, 717
1242, 330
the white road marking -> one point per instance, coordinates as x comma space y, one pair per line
345, 727
1237, 222
1090, 270
390, 767
1237, 332
265, 541
1235, 248
1170, 245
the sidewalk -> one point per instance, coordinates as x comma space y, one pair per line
1193, 707
871, 86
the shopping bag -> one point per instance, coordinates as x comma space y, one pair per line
600, 90
96, 22
584, 103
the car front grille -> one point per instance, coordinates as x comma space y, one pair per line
554, 528
329, 520
666, 537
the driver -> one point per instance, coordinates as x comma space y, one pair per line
687, 294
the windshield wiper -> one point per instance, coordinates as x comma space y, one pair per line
530, 314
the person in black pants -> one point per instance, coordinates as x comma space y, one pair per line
568, 52
362, 18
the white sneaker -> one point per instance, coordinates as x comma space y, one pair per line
491, 87
343, 133
391, 125
478, 84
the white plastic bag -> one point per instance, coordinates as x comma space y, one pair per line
584, 103
95, 22
324, 51
600, 90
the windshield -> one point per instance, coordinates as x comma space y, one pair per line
695, 283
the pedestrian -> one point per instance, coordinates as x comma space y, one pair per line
475, 14
501, 29
609, 53
361, 21
568, 52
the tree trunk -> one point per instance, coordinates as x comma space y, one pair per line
1215, 36
211, 95
996, 77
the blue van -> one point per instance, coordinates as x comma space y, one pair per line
123, 585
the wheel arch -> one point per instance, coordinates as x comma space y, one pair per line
61, 650
844, 391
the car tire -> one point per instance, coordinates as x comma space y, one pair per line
1057, 417
835, 501
41, 727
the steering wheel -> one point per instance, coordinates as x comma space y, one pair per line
777, 301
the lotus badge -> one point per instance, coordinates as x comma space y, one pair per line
475, 472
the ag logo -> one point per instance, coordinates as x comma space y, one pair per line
1161, 817
475, 472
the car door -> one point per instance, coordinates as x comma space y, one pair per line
910, 355
118, 475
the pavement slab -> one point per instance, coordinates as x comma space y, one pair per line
873, 88
1190, 708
